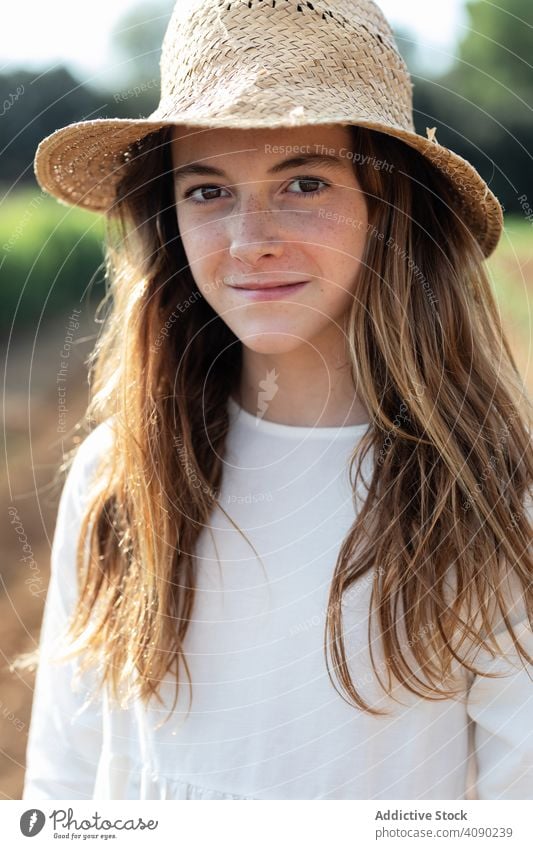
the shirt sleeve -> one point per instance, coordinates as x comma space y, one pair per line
65, 734
502, 711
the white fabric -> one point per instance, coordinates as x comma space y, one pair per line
266, 721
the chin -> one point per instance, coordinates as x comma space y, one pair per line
271, 342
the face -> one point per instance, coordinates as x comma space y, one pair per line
263, 217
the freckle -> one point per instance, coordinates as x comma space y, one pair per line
253, 204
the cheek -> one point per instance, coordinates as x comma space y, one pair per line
340, 245
202, 242
339, 248
341, 226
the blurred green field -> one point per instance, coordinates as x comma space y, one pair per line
511, 273
511, 269
49, 253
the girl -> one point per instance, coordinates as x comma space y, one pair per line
307, 496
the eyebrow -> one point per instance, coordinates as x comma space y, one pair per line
311, 159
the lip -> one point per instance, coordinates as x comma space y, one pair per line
270, 291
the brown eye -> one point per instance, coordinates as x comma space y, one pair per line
311, 182
209, 189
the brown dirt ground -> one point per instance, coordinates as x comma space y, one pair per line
33, 452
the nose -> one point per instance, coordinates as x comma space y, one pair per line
254, 233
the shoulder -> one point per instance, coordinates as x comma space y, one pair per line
86, 461
73, 502
93, 446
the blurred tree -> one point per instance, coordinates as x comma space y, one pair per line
482, 105
408, 46
34, 104
137, 38
498, 48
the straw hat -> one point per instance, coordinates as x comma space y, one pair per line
266, 63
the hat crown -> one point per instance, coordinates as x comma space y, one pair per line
218, 53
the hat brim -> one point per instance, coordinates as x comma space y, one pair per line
80, 164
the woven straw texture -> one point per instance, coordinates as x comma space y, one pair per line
266, 63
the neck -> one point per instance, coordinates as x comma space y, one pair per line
308, 386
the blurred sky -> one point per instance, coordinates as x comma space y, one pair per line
59, 31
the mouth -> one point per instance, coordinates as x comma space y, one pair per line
270, 290
267, 284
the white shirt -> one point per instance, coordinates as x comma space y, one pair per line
266, 721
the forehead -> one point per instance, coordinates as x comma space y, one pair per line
260, 146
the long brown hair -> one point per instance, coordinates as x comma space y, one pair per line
449, 435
